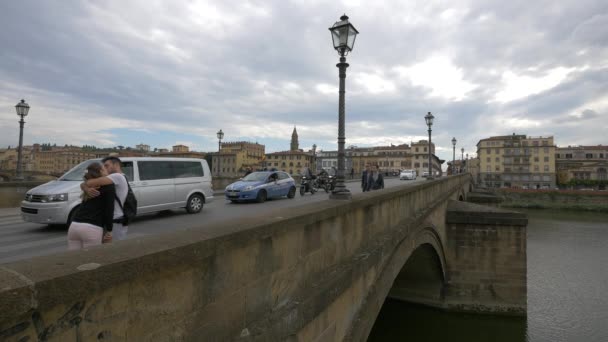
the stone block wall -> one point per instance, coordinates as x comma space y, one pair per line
304, 275
486, 253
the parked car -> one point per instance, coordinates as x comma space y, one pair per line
425, 174
260, 186
158, 184
407, 175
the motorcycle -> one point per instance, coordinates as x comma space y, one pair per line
308, 185
331, 184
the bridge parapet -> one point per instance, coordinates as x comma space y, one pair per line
311, 273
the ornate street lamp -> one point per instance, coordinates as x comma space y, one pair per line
453, 155
467, 161
343, 35
429, 122
220, 136
22, 109
462, 159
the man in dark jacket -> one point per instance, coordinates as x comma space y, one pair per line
375, 180
364, 178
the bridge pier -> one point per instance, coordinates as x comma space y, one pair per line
487, 268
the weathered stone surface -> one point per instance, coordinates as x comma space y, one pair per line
317, 273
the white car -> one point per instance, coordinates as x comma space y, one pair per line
158, 184
407, 175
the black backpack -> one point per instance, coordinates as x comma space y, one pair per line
129, 208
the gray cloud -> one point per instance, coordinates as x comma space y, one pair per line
261, 68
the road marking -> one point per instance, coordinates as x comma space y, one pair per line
22, 227
12, 221
38, 243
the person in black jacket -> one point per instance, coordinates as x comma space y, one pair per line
364, 177
92, 222
375, 180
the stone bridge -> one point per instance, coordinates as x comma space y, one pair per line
319, 272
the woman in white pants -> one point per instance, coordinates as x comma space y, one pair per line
92, 222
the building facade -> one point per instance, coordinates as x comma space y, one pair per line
582, 163
420, 158
517, 161
236, 157
292, 162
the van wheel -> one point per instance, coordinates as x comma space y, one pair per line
195, 204
292, 192
71, 216
261, 196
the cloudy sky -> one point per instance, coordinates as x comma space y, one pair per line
118, 72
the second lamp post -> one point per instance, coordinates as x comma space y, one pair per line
220, 136
429, 122
343, 35
22, 110
453, 155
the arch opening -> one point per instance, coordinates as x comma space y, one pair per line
421, 279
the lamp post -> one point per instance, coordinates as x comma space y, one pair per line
467, 161
462, 159
220, 136
343, 35
453, 155
429, 122
22, 109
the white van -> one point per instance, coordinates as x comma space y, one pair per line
158, 184
407, 174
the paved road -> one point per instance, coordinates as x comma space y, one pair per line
23, 240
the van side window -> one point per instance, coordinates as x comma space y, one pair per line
150, 170
187, 169
127, 169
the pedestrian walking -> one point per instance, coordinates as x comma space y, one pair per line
364, 177
93, 222
352, 173
375, 180
113, 167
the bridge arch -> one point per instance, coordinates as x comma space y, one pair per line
422, 276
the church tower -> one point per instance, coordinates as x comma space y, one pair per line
294, 140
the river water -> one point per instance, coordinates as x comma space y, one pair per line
567, 291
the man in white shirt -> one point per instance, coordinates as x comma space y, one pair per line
115, 176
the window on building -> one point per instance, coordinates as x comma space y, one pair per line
488, 159
536, 168
507, 169
536, 159
535, 143
546, 168
416, 149
546, 159
497, 159
589, 155
488, 168
546, 150
568, 155
545, 143
425, 149
497, 168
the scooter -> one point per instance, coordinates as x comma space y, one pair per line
308, 185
